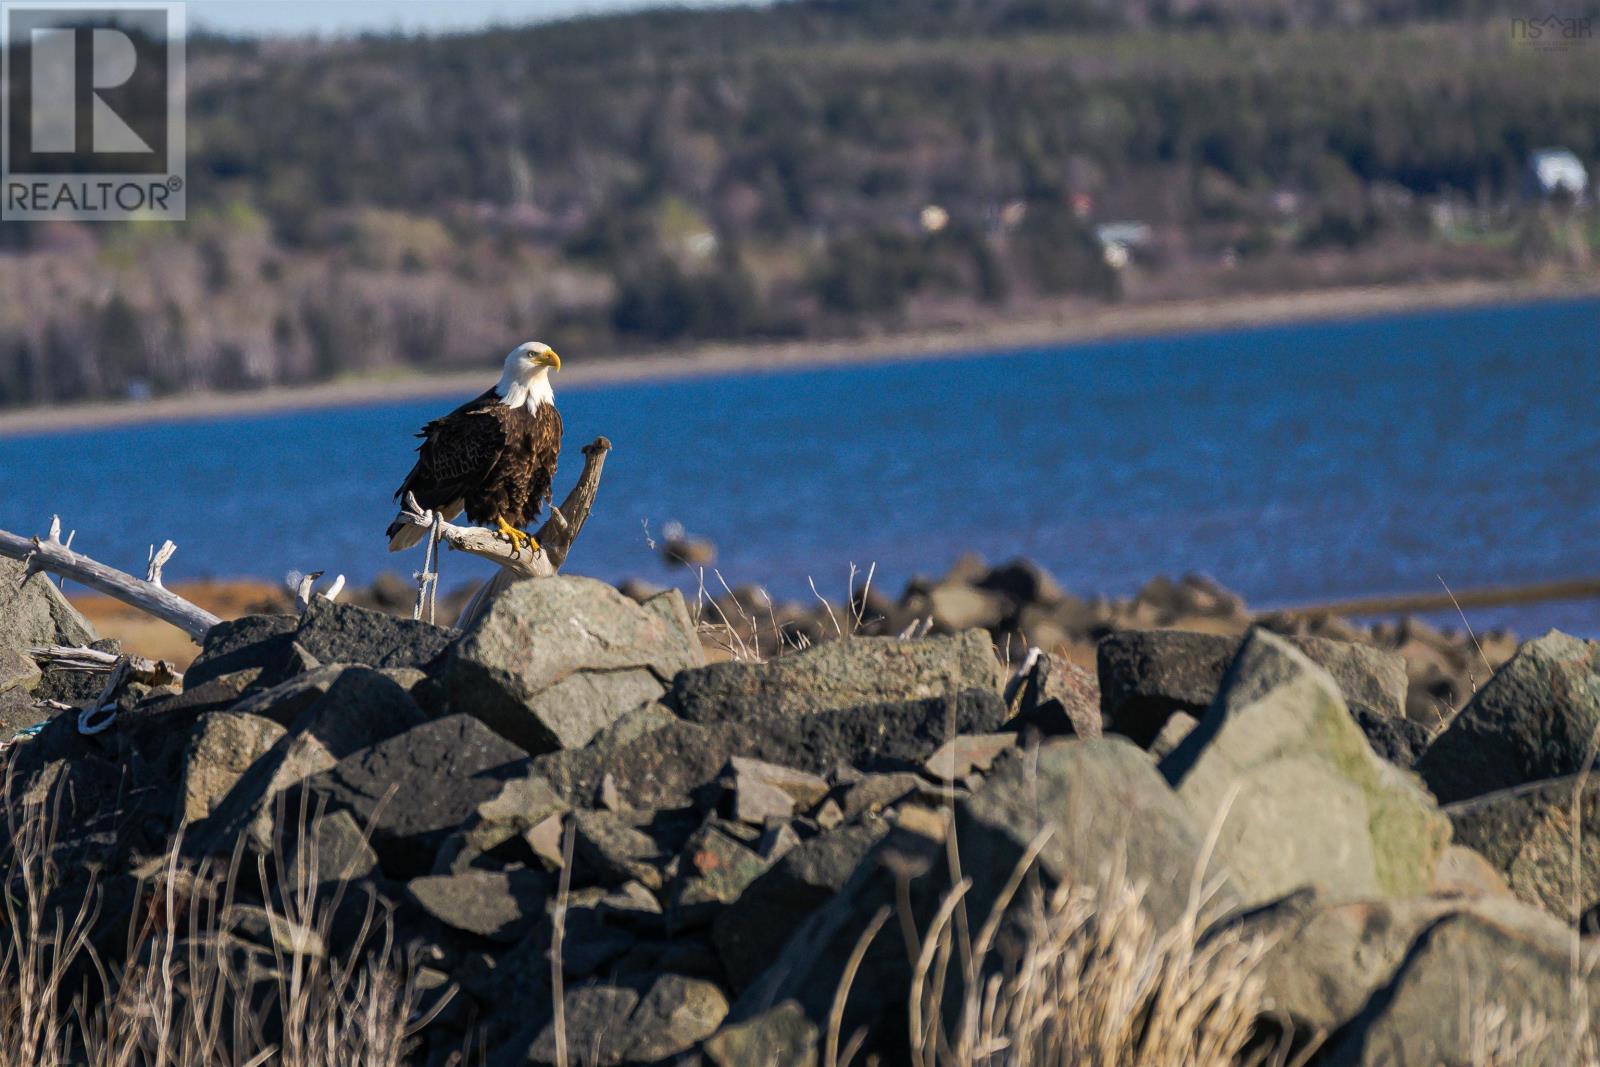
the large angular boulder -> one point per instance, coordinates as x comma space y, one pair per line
1535, 719
260, 643
656, 759
1057, 698
1146, 675
838, 674
1529, 834
496, 905
1441, 1005
221, 748
1102, 801
18, 671
1301, 798
360, 708
415, 788
34, 612
1324, 958
555, 660
333, 632
751, 931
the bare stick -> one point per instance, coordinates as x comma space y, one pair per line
555, 537
51, 554
158, 559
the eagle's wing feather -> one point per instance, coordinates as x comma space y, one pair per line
457, 452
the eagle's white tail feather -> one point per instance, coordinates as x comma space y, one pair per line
407, 536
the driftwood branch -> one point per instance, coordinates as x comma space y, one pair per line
93, 661
474, 540
555, 537
52, 554
304, 588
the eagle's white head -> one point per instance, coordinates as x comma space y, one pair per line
525, 381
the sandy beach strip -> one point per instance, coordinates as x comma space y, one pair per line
1100, 323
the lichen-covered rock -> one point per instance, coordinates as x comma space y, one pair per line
838, 674
1301, 797
1533, 720
713, 869
555, 660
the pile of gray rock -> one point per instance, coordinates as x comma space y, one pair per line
728, 832
1021, 605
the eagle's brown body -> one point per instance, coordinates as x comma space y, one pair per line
494, 461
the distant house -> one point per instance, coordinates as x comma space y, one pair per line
1556, 172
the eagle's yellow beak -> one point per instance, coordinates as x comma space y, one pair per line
549, 359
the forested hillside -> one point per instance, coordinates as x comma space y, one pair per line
821, 168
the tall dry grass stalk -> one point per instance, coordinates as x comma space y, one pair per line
752, 632
1086, 977
191, 989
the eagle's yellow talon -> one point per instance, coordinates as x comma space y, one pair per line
519, 540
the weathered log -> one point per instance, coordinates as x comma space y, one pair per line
149, 596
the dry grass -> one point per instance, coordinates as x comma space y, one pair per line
191, 990
1080, 975
1076, 975
748, 626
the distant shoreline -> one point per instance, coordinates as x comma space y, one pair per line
1100, 323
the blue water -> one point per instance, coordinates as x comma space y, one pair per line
1293, 463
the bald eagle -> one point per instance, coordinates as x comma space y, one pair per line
493, 457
